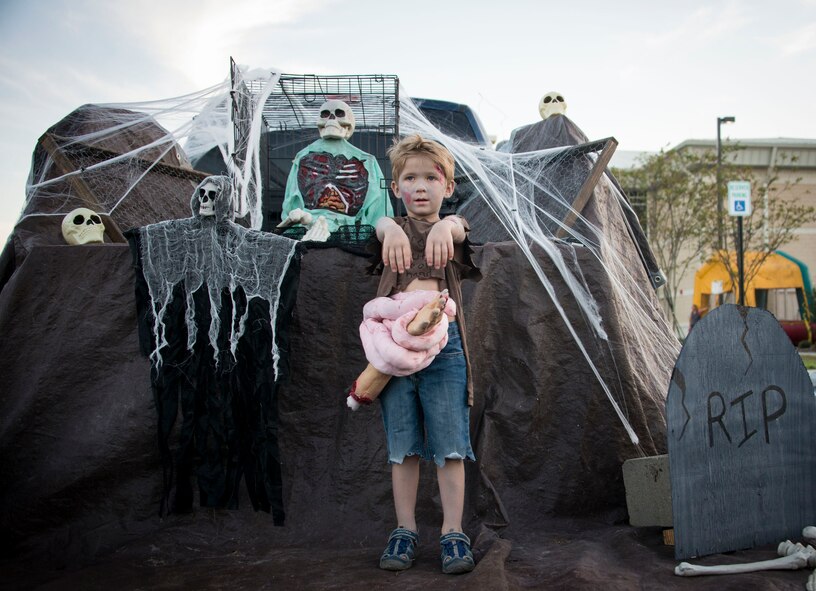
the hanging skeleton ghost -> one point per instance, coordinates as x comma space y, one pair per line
552, 103
210, 292
334, 182
83, 226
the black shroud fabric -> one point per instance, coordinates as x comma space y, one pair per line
227, 411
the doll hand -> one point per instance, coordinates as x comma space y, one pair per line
396, 249
439, 247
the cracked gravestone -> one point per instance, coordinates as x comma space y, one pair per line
742, 435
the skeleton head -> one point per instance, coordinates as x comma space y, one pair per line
213, 198
552, 103
206, 199
83, 226
336, 120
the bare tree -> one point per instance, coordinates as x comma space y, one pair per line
681, 208
681, 222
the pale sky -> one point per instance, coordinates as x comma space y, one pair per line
650, 74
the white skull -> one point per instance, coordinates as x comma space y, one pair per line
552, 103
206, 199
83, 226
336, 120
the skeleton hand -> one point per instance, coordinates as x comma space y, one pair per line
296, 216
319, 232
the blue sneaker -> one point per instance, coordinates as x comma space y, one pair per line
456, 555
399, 554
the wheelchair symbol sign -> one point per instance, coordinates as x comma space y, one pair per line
739, 198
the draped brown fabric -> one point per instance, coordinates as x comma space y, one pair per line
81, 473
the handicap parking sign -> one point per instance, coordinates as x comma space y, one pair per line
739, 198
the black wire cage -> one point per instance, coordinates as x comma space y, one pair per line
290, 114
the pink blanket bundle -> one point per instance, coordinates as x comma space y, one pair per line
386, 341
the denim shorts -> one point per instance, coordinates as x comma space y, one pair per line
426, 414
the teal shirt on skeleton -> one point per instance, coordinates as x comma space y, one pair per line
333, 179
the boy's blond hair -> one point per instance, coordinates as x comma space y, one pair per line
416, 145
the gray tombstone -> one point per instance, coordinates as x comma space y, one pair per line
742, 436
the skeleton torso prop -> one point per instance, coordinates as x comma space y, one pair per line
334, 181
339, 182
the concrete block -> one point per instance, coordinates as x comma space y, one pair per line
648, 491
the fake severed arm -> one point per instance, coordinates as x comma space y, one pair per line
370, 384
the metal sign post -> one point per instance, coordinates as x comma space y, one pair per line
739, 206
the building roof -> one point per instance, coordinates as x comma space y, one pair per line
782, 142
764, 152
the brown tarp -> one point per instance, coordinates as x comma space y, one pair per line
545, 506
151, 185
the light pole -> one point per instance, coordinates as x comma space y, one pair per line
720, 121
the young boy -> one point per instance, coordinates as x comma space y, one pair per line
426, 414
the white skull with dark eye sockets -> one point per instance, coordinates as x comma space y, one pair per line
83, 226
336, 120
552, 103
206, 199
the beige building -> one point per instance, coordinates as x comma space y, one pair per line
783, 158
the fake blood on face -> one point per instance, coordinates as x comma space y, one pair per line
422, 187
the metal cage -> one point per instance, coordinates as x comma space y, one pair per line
290, 114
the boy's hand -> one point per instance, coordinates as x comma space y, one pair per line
396, 249
439, 247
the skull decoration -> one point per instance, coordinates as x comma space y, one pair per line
552, 103
212, 198
206, 199
336, 120
83, 226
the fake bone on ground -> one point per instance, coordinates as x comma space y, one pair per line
792, 557
810, 533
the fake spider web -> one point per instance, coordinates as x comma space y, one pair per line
125, 161
529, 198
131, 161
